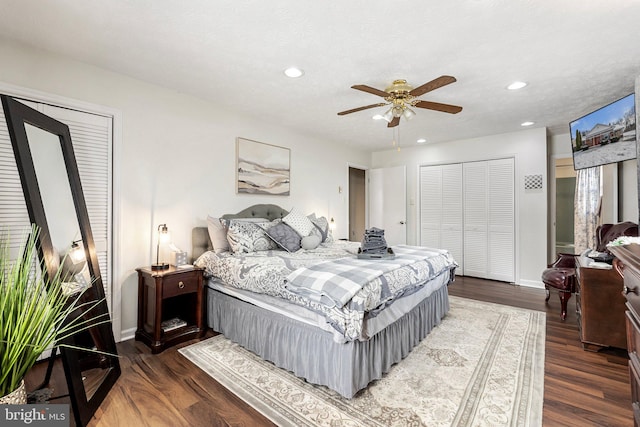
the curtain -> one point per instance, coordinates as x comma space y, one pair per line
587, 208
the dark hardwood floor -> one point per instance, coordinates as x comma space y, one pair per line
581, 388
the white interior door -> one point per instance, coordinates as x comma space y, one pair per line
441, 223
501, 220
452, 233
388, 202
431, 206
475, 219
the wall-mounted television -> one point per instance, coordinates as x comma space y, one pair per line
606, 135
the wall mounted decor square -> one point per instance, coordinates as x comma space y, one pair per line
533, 182
262, 168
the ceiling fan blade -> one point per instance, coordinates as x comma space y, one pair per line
433, 84
342, 113
371, 90
393, 123
446, 108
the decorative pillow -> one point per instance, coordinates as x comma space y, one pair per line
285, 236
310, 242
217, 234
300, 223
321, 228
249, 237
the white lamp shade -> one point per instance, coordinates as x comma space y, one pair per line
408, 113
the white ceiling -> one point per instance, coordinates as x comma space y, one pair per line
576, 55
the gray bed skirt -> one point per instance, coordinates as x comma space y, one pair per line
311, 353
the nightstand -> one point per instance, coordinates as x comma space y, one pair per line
170, 294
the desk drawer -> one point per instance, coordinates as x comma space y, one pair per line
180, 284
632, 284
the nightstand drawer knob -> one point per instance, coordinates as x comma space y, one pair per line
181, 285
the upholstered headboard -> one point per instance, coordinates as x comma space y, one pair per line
201, 242
267, 211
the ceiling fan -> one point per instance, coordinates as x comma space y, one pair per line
400, 96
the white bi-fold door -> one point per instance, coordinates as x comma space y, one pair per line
441, 213
469, 209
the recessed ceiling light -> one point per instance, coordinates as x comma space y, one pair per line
378, 117
421, 141
527, 123
516, 85
293, 72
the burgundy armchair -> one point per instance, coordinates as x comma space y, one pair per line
561, 274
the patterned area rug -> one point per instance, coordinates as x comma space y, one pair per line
482, 366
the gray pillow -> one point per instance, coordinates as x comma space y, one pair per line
285, 237
322, 229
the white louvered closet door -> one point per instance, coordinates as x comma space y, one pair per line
14, 217
501, 218
452, 230
441, 213
91, 136
430, 206
475, 219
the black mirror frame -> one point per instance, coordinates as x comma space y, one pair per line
17, 115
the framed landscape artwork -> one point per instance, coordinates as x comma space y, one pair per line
262, 168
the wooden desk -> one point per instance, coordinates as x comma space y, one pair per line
600, 306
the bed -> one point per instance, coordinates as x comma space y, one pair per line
343, 342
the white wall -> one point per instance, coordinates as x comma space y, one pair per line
627, 185
529, 148
177, 158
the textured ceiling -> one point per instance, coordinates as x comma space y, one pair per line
575, 55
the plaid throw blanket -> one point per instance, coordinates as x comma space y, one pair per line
335, 282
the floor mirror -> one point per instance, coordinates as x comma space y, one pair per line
55, 201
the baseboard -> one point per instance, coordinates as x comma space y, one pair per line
127, 334
532, 284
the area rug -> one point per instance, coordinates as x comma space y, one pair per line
482, 366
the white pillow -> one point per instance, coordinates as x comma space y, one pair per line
310, 242
217, 234
299, 222
250, 236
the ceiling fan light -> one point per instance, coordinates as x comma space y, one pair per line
388, 115
408, 113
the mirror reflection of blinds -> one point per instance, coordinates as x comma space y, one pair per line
91, 135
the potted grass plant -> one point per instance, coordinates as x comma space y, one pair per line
35, 314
